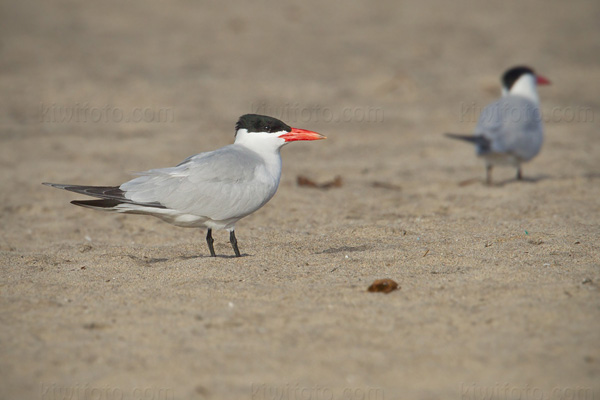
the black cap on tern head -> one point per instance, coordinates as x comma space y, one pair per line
261, 123
512, 75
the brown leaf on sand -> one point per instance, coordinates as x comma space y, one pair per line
468, 182
383, 286
304, 181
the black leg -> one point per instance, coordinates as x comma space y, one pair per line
233, 241
519, 173
488, 174
210, 241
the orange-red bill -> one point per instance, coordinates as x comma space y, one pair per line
541, 80
301, 134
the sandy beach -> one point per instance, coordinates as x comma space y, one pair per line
499, 287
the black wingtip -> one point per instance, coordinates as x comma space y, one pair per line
467, 138
483, 144
103, 203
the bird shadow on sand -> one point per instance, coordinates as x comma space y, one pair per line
527, 179
207, 256
346, 249
157, 260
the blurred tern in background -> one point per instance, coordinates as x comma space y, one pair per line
212, 190
509, 131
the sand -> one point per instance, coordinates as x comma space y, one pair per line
499, 286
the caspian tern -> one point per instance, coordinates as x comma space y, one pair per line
509, 131
213, 189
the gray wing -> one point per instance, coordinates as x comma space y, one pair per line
512, 125
219, 185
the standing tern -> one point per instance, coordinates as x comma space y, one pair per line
213, 189
509, 131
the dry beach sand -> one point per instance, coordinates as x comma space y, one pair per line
499, 286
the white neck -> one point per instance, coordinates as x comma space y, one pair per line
525, 86
265, 144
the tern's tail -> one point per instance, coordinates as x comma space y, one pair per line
110, 196
482, 143
468, 138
